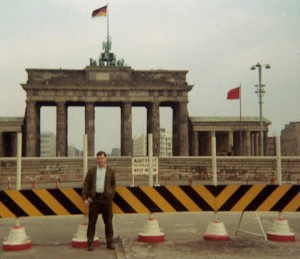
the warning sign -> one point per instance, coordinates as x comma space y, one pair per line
140, 165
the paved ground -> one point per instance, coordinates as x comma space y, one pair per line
51, 237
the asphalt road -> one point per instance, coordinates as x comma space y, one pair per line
51, 237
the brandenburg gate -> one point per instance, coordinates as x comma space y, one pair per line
106, 86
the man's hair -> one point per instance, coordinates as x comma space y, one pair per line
100, 153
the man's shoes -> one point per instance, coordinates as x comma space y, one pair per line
111, 246
90, 247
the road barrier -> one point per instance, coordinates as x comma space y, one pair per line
158, 199
147, 199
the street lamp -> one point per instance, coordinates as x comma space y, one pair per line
260, 92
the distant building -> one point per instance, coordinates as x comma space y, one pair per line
116, 152
74, 151
140, 144
48, 144
290, 139
166, 141
234, 136
116, 85
271, 146
9, 128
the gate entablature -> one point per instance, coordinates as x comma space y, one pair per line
107, 76
107, 86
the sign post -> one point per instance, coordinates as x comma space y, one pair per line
145, 165
19, 161
150, 154
85, 155
140, 166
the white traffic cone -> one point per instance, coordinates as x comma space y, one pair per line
80, 238
17, 239
216, 231
151, 232
280, 231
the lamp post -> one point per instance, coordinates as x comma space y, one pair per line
260, 92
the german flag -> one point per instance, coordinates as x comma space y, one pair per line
100, 12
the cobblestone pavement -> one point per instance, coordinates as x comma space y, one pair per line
51, 237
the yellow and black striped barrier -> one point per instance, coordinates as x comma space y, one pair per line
146, 199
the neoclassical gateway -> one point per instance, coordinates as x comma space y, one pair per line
124, 87
107, 86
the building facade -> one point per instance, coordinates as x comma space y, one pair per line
165, 143
108, 86
115, 152
74, 151
290, 139
271, 146
9, 128
140, 144
234, 137
123, 87
48, 144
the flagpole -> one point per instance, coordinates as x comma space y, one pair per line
108, 39
107, 22
241, 135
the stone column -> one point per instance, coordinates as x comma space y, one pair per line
256, 143
153, 126
31, 129
252, 144
183, 120
265, 143
90, 127
247, 143
230, 142
1, 144
126, 130
38, 130
210, 135
195, 144
175, 133
61, 129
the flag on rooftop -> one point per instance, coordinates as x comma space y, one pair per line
100, 12
234, 93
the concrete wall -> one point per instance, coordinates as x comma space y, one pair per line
45, 170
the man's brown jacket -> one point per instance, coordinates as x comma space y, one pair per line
89, 185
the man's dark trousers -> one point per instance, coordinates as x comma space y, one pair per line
100, 205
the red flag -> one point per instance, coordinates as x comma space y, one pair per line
234, 93
100, 12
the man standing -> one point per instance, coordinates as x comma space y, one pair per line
97, 194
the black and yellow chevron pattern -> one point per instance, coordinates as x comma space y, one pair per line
146, 199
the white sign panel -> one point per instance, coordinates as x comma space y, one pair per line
140, 165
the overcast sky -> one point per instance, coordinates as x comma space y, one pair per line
217, 41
